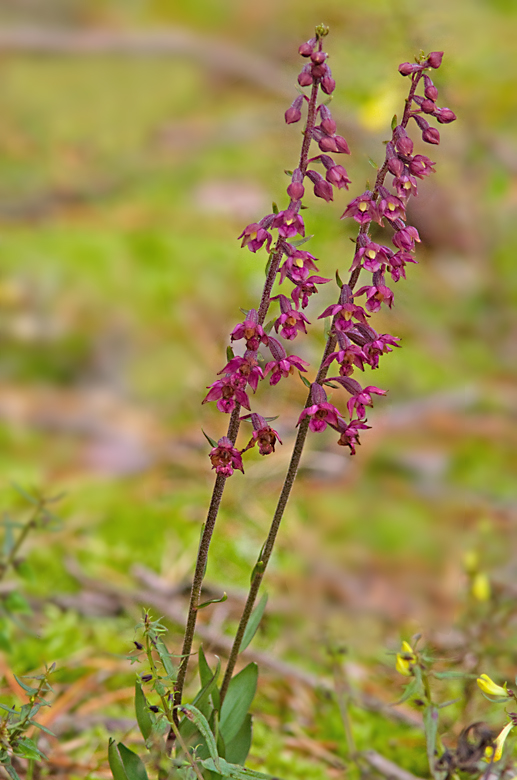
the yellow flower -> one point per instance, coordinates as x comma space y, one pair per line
481, 587
499, 744
491, 688
405, 660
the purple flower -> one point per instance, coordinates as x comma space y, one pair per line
405, 238
290, 320
303, 290
431, 135
251, 331
305, 77
397, 262
282, 365
390, 206
377, 293
245, 367
346, 309
228, 392
405, 185
372, 255
321, 412
225, 458
361, 397
430, 90
254, 236
363, 209
327, 83
307, 48
289, 223
445, 115
297, 266
350, 433
421, 166
348, 356
263, 435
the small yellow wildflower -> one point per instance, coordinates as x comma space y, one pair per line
481, 587
499, 744
405, 660
491, 688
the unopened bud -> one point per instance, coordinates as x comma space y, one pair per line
431, 136
445, 115
307, 48
428, 106
305, 77
328, 124
293, 113
435, 59
407, 68
328, 84
318, 57
430, 90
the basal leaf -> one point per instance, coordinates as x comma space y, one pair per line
234, 771
237, 750
431, 730
197, 717
237, 702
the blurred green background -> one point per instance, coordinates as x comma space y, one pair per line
137, 139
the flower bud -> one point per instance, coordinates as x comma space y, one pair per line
296, 190
430, 90
428, 106
445, 115
305, 77
431, 136
293, 113
322, 188
328, 125
319, 57
341, 144
407, 68
318, 71
307, 48
405, 145
435, 59
328, 84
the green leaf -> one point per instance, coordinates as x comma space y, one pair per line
452, 675
209, 438
301, 241
237, 750
205, 673
338, 280
394, 122
268, 327
253, 624
237, 702
165, 657
431, 730
234, 771
26, 688
304, 380
327, 322
213, 601
15, 602
9, 768
197, 717
373, 163
23, 493
229, 354
124, 764
26, 748
413, 688
143, 718
274, 208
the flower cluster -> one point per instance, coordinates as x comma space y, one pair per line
358, 344
353, 342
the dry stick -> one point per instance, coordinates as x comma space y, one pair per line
298, 445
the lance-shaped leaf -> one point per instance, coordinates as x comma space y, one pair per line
237, 702
143, 718
124, 764
197, 717
254, 622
